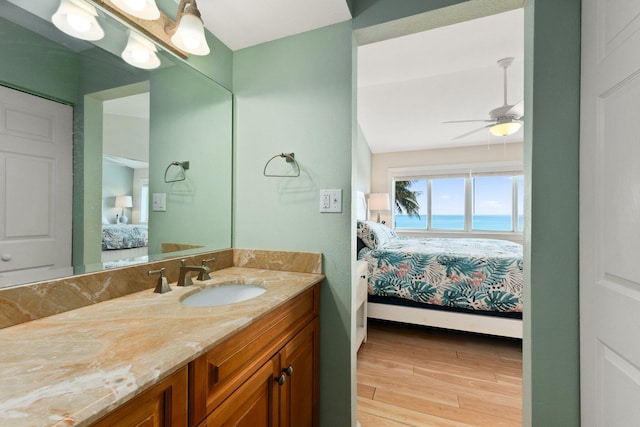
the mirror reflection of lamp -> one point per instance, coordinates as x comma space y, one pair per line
379, 202
124, 202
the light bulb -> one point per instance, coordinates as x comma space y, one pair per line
140, 55
140, 52
143, 9
136, 4
189, 35
79, 23
78, 19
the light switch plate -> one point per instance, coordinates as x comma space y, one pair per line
331, 200
159, 202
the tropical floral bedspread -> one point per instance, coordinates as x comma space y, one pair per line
124, 236
476, 274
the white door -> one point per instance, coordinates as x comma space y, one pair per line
610, 213
35, 187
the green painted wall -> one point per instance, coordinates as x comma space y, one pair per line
295, 95
98, 71
191, 120
551, 370
55, 74
116, 181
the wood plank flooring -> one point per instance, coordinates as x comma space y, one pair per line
416, 376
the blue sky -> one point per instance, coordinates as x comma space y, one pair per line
492, 195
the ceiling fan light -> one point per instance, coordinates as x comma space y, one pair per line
505, 128
78, 19
140, 52
143, 9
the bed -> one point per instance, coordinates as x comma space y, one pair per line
465, 284
124, 236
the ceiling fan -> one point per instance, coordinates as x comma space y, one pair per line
504, 120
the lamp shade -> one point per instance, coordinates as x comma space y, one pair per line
189, 35
140, 52
143, 9
379, 202
124, 201
78, 19
505, 128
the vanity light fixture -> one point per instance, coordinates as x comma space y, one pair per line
183, 36
143, 9
188, 31
78, 19
140, 52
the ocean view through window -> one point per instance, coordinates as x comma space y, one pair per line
481, 200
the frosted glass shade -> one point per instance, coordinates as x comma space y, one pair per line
140, 52
505, 129
143, 9
189, 35
78, 19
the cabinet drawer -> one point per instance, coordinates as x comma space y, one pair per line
165, 404
216, 374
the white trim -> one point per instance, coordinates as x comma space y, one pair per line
456, 169
478, 323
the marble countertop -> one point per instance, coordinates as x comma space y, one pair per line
72, 368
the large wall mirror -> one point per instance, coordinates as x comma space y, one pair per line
103, 164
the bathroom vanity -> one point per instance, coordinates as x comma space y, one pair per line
148, 359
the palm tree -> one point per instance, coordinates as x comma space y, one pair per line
406, 200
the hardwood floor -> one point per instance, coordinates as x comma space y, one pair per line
415, 376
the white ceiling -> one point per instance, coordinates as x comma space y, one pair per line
409, 86
243, 23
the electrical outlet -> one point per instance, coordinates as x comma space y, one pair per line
331, 200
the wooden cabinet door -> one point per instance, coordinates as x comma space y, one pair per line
299, 393
254, 404
164, 405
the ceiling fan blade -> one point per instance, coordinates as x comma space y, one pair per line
469, 121
473, 131
517, 110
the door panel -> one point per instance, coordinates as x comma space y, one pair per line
610, 213
35, 187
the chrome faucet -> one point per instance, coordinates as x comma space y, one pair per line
163, 284
184, 278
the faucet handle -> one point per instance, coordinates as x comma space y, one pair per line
163, 284
204, 273
183, 262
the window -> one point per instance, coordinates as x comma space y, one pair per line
447, 204
492, 203
482, 198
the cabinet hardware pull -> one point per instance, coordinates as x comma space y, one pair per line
281, 379
363, 277
288, 371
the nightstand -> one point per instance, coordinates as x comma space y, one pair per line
361, 303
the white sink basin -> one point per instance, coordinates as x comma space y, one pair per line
225, 294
